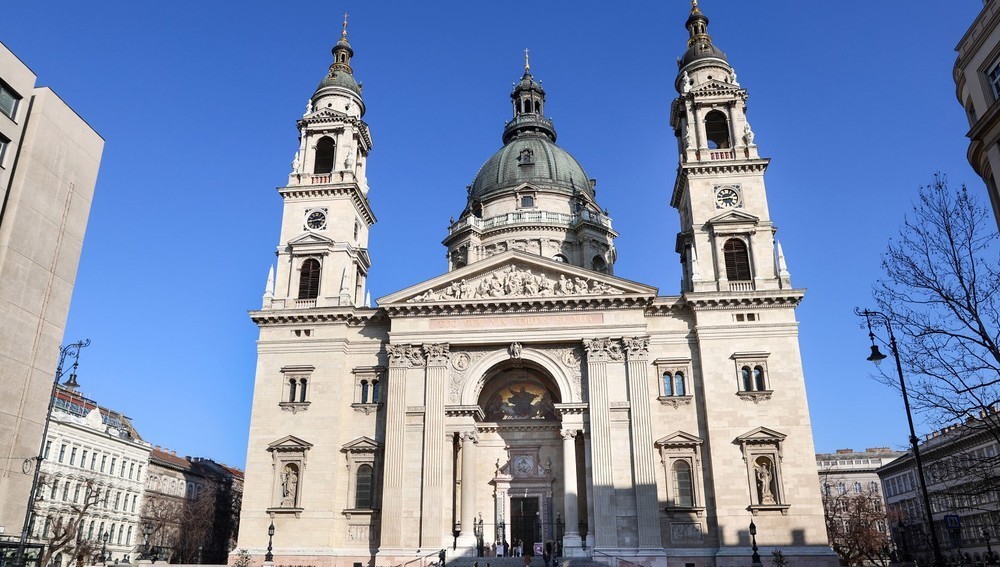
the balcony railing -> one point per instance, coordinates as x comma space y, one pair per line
530, 217
305, 303
721, 154
741, 286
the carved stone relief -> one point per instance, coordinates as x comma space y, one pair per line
513, 281
604, 350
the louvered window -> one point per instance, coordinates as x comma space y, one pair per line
737, 260
309, 279
326, 150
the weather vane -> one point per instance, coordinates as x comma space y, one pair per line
344, 32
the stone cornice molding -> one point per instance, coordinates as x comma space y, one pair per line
350, 316
463, 411
502, 306
326, 190
571, 409
490, 427
740, 166
710, 301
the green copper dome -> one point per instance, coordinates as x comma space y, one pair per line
533, 159
339, 78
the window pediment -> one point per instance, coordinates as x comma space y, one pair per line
309, 239
362, 445
733, 218
761, 435
289, 443
679, 439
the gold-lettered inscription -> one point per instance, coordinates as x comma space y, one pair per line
517, 322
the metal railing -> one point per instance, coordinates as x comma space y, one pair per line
530, 217
422, 558
614, 560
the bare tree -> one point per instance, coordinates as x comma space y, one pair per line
63, 528
941, 291
857, 526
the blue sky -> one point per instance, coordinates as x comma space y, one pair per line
197, 102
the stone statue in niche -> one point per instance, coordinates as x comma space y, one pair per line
289, 486
765, 478
295, 162
685, 83
748, 134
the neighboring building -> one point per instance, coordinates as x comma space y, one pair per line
962, 471
856, 520
527, 393
48, 167
92, 479
977, 81
192, 508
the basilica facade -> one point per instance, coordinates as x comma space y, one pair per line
527, 394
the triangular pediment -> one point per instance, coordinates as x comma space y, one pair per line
734, 217
679, 439
516, 275
310, 238
289, 443
361, 445
761, 435
714, 86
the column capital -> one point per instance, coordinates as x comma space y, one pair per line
603, 350
637, 348
468, 436
437, 354
568, 434
405, 356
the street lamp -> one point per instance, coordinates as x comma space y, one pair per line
104, 547
269, 557
70, 350
755, 558
877, 357
147, 530
989, 549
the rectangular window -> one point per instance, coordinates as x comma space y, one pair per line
994, 76
112, 469
72, 456
48, 444
104, 460
8, 100
4, 142
93, 460
83, 459
62, 452
131, 470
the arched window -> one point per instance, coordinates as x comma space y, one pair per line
538, 106
309, 279
874, 487
758, 379
363, 487
679, 385
599, 265
375, 388
717, 130
291, 390
326, 150
857, 488
737, 260
302, 390
364, 391
667, 377
747, 380
683, 493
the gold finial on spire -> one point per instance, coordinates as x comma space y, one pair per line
527, 65
343, 32
694, 6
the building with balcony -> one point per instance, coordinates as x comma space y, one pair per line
49, 157
528, 394
977, 85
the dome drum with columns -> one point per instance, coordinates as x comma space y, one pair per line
527, 393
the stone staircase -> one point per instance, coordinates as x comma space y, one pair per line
519, 562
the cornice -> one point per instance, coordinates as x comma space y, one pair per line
331, 190
712, 301
737, 166
502, 306
350, 316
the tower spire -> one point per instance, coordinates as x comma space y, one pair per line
343, 32
527, 64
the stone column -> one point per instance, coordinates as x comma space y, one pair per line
599, 352
588, 463
401, 357
571, 539
643, 457
433, 481
467, 537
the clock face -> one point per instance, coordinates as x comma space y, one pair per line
316, 220
727, 197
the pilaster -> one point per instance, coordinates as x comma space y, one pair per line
401, 358
436, 378
599, 353
643, 462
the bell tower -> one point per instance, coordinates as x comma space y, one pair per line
323, 256
727, 240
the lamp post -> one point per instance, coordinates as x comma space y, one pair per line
755, 558
877, 357
70, 350
989, 549
104, 547
269, 557
147, 530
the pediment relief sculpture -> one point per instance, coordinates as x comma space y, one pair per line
513, 281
